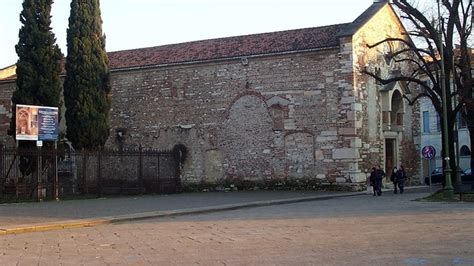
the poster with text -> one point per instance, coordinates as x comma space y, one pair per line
36, 123
48, 129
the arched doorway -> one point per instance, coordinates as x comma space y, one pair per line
393, 129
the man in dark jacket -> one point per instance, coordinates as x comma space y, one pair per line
379, 174
372, 180
401, 176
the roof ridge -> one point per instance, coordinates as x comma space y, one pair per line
232, 37
363, 18
224, 48
229, 47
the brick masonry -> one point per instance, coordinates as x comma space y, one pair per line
260, 120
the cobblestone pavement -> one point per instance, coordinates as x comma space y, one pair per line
360, 230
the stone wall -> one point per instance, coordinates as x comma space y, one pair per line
375, 98
269, 117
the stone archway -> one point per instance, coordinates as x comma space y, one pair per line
247, 138
393, 122
397, 109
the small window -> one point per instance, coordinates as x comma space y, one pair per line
399, 121
426, 83
278, 117
378, 73
385, 115
426, 122
461, 121
465, 151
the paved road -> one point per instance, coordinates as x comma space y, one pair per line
44, 212
360, 230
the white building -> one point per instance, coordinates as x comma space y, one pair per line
430, 129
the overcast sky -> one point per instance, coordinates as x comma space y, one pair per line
130, 24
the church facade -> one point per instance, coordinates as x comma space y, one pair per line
273, 106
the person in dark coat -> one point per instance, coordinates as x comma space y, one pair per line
394, 178
401, 177
379, 175
372, 181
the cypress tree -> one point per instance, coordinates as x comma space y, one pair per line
87, 82
38, 68
39, 59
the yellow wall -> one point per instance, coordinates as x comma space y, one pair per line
7, 72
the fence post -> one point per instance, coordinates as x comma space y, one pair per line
56, 178
99, 175
158, 172
2, 170
177, 180
84, 175
38, 174
140, 169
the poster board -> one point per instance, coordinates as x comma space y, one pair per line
36, 123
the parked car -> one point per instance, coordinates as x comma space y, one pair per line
467, 176
437, 176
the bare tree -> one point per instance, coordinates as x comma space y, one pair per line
452, 29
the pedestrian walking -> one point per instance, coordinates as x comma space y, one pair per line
379, 175
394, 178
372, 181
401, 177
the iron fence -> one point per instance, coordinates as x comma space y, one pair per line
43, 174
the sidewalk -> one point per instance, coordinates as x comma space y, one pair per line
42, 216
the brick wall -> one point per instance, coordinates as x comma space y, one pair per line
6, 91
273, 117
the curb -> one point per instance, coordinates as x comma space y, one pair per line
79, 223
53, 226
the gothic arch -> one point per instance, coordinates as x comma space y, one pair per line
242, 95
247, 138
397, 108
465, 151
393, 107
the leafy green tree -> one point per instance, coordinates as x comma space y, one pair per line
38, 68
87, 82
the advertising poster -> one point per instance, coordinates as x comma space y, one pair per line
36, 123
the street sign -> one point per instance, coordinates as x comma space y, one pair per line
428, 152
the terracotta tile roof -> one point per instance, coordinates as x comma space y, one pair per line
231, 47
222, 48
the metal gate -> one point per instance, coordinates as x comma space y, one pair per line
39, 174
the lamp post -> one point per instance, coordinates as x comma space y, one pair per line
448, 188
